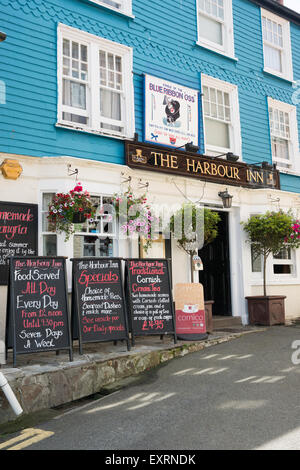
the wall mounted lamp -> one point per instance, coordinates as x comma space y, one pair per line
189, 147
230, 157
226, 198
2, 36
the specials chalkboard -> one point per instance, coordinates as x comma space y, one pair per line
98, 301
37, 306
149, 297
18, 233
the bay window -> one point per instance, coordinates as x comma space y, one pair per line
284, 134
221, 117
215, 25
122, 6
277, 45
95, 84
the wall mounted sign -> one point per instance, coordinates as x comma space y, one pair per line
171, 113
149, 297
18, 233
98, 301
37, 306
177, 162
190, 311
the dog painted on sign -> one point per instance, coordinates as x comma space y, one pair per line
172, 110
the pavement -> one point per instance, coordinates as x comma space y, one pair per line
44, 381
240, 394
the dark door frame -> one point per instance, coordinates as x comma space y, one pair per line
216, 276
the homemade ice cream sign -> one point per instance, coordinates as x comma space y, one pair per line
18, 233
177, 162
190, 311
171, 113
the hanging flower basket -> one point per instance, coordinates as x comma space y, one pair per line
67, 209
135, 216
189, 219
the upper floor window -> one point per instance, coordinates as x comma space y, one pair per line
277, 45
123, 6
95, 83
284, 134
215, 25
221, 116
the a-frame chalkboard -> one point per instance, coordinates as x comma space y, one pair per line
38, 317
18, 233
98, 301
149, 297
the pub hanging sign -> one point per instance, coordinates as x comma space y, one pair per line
177, 162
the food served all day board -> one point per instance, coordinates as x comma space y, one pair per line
98, 302
37, 306
149, 297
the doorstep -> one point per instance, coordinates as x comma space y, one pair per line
46, 380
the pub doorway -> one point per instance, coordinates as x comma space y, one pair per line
215, 276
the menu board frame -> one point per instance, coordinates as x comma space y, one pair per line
134, 331
11, 331
33, 240
76, 320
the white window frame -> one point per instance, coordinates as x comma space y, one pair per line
293, 143
96, 43
44, 233
287, 62
102, 219
125, 6
234, 126
227, 28
289, 262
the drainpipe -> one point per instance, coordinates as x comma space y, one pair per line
10, 395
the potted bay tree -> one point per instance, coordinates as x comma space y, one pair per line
268, 234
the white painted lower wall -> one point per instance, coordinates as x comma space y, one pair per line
50, 174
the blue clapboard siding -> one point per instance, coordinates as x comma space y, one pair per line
163, 37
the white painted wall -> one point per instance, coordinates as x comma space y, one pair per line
51, 174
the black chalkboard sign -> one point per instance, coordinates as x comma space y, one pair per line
98, 301
18, 233
149, 297
37, 306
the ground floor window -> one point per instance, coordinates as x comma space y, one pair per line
97, 237
284, 262
281, 263
49, 239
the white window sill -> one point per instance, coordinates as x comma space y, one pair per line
288, 281
108, 7
216, 51
87, 130
288, 171
278, 75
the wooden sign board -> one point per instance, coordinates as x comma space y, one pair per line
190, 311
149, 297
18, 233
37, 306
98, 301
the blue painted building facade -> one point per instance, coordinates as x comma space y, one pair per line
38, 129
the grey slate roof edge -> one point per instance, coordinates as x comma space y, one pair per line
279, 9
